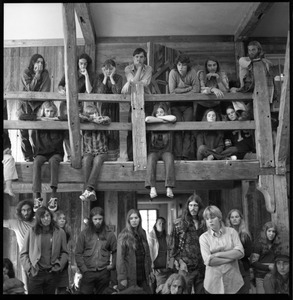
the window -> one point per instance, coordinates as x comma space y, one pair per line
149, 217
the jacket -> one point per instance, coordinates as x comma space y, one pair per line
126, 262
93, 253
154, 247
31, 252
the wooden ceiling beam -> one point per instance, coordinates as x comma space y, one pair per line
251, 19
85, 21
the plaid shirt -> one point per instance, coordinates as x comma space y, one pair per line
95, 142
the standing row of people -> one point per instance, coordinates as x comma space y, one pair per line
211, 255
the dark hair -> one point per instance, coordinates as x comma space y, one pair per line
138, 51
109, 62
38, 227
204, 118
280, 283
33, 60
7, 263
186, 218
66, 227
212, 58
91, 228
162, 105
19, 206
88, 60
184, 59
155, 227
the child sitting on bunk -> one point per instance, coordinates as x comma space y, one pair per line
9, 170
160, 147
49, 147
95, 150
210, 143
237, 142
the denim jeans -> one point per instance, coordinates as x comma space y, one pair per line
94, 282
203, 151
182, 139
54, 162
168, 159
43, 283
91, 168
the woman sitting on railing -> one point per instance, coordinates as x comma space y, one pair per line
49, 147
210, 144
160, 147
35, 78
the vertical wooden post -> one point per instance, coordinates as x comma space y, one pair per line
71, 83
138, 128
239, 52
263, 133
245, 187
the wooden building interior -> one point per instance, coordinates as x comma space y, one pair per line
259, 187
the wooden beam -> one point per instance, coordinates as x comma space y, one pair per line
251, 19
262, 117
85, 21
123, 171
63, 125
283, 131
39, 43
138, 128
71, 82
139, 187
266, 186
42, 96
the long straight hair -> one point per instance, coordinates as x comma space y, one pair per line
91, 228
38, 227
243, 231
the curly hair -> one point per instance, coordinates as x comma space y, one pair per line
175, 276
19, 206
33, 60
184, 59
88, 60
243, 231
186, 218
263, 239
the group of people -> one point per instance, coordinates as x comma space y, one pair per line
42, 146
204, 254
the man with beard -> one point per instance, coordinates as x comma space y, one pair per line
25, 220
94, 247
246, 76
184, 244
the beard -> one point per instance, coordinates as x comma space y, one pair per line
98, 227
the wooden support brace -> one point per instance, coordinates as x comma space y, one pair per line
267, 187
71, 83
138, 128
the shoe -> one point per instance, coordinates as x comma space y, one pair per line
153, 193
210, 157
38, 202
233, 157
53, 204
29, 159
88, 195
169, 192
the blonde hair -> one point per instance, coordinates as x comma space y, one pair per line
212, 211
46, 105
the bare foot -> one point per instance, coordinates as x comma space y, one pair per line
9, 192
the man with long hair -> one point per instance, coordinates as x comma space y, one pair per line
23, 222
95, 246
44, 253
185, 244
